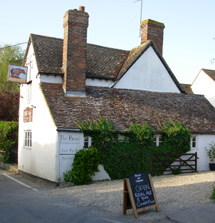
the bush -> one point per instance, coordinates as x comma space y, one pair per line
84, 166
8, 139
213, 194
211, 152
138, 152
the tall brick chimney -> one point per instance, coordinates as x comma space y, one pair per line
152, 30
75, 25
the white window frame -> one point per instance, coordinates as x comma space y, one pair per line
28, 139
158, 140
87, 142
123, 138
193, 142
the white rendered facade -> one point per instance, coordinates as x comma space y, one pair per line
52, 151
204, 84
148, 73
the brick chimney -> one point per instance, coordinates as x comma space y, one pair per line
75, 25
152, 30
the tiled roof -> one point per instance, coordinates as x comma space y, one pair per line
48, 53
211, 73
122, 107
187, 88
133, 56
102, 62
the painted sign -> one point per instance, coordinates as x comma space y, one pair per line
28, 115
141, 190
17, 74
70, 143
139, 193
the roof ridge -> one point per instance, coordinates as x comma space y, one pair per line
106, 47
38, 35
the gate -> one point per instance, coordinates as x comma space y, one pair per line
175, 163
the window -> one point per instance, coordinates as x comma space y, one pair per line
193, 142
87, 141
28, 139
157, 140
123, 138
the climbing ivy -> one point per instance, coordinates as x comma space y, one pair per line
137, 152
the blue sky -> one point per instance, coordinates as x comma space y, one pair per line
189, 33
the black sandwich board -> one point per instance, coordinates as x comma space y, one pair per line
139, 193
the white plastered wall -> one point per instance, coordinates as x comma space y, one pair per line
203, 84
98, 82
41, 159
202, 142
148, 73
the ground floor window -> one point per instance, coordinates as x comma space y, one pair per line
193, 142
123, 138
157, 140
88, 142
28, 138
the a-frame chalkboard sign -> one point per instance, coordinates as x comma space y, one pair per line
139, 193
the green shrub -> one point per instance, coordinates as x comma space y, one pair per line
176, 138
211, 152
141, 134
8, 139
84, 166
213, 194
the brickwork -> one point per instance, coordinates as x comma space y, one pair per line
75, 50
152, 30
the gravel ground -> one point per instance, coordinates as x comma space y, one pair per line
174, 192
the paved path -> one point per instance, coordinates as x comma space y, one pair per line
26, 200
22, 203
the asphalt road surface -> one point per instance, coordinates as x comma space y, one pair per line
24, 203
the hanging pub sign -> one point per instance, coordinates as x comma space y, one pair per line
17, 74
139, 193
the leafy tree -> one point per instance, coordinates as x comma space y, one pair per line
9, 55
9, 92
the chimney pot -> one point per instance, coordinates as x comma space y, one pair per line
82, 8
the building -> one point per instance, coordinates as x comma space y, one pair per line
204, 84
70, 80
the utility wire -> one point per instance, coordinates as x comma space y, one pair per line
13, 45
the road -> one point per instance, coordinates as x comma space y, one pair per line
21, 202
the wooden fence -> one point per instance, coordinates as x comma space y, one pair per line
175, 163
